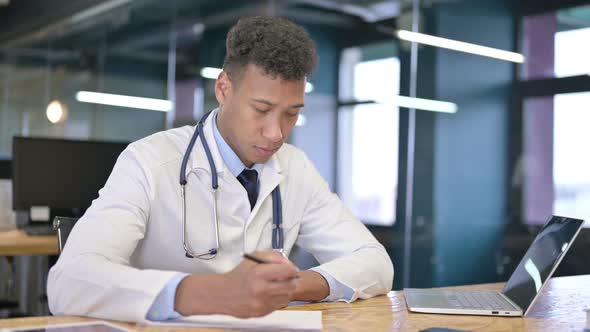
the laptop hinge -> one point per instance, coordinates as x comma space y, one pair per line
516, 306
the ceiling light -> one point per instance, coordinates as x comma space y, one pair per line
56, 112
152, 104
300, 120
420, 104
211, 72
460, 46
198, 28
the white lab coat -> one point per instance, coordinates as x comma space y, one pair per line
128, 245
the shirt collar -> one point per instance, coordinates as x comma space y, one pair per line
230, 158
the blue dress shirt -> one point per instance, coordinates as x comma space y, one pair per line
163, 306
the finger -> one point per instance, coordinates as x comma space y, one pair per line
280, 302
280, 288
245, 265
275, 271
271, 256
269, 292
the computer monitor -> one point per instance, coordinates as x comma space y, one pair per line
5, 168
63, 175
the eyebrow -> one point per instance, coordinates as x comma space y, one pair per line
266, 102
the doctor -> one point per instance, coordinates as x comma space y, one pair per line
166, 235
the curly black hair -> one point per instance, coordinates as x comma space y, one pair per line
276, 45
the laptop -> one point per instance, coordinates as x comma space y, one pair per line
522, 289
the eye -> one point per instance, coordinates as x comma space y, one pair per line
293, 113
262, 111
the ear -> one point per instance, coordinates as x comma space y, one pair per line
223, 87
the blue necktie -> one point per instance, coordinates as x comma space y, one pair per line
249, 179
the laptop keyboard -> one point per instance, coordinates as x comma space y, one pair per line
478, 300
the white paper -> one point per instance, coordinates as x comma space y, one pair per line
280, 319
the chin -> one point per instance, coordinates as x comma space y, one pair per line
261, 160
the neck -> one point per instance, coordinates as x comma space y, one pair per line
224, 131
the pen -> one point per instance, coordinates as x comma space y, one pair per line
256, 259
261, 261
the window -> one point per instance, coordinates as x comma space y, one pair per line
556, 177
571, 55
554, 43
571, 162
368, 139
554, 167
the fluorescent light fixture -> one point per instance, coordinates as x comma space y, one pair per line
103, 7
460, 46
211, 72
300, 120
420, 104
124, 101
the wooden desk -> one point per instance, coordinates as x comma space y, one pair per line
17, 242
560, 308
31, 252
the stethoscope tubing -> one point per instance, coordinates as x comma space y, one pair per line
277, 208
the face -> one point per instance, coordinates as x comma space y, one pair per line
257, 113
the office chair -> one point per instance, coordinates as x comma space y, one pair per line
63, 226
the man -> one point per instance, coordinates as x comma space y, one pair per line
125, 259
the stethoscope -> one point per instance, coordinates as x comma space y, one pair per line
277, 208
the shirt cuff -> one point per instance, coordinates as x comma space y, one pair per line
163, 306
338, 290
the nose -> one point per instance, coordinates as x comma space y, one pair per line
273, 131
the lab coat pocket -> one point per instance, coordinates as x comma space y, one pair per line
265, 236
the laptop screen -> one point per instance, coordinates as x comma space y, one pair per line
541, 259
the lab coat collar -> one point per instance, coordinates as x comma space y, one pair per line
273, 163
270, 178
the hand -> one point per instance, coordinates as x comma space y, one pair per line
311, 287
249, 290
259, 289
